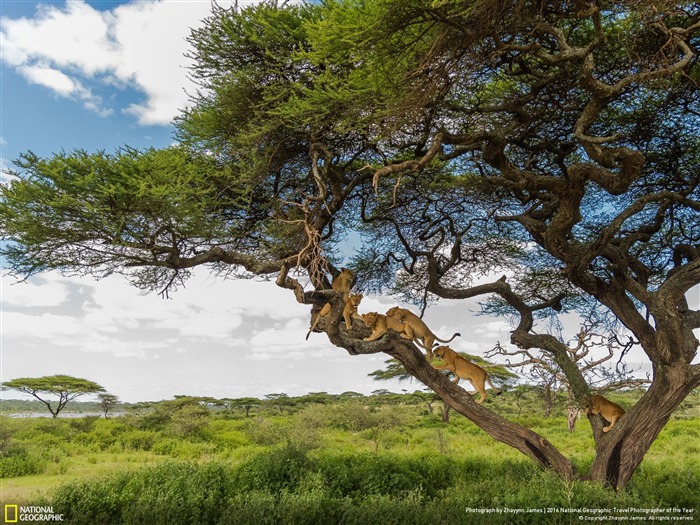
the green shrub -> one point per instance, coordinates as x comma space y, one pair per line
139, 439
230, 439
276, 470
170, 493
190, 420
264, 432
19, 462
181, 449
83, 424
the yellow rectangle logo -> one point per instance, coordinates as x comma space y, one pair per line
9, 508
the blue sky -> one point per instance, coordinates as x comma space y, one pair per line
92, 74
99, 75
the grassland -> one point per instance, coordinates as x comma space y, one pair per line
379, 459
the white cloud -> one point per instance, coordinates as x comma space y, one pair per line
53, 79
64, 86
44, 292
73, 49
58, 329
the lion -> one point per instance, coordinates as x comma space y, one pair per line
380, 323
417, 329
342, 283
610, 411
349, 312
464, 369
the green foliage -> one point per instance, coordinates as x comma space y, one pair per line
138, 439
17, 461
107, 402
74, 202
171, 493
189, 420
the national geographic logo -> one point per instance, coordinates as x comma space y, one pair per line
30, 514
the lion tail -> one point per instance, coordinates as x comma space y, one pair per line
450, 339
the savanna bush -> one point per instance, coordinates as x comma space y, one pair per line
229, 439
83, 424
182, 449
103, 434
189, 421
139, 439
169, 494
262, 431
59, 428
17, 461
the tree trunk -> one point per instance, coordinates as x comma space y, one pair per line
446, 413
548, 401
620, 451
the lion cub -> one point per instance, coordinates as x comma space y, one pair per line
610, 411
416, 329
349, 312
464, 369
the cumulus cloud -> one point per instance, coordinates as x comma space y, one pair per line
65, 86
74, 49
51, 78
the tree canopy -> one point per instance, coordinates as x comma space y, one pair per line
67, 388
553, 143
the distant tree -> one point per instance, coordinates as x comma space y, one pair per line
281, 402
429, 398
244, 403
67, 388
394, 370
322, 398
107, 402
351, 395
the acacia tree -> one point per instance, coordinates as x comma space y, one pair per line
67, 388
554, 141
107, 402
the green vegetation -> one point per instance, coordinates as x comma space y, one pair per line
323, 459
